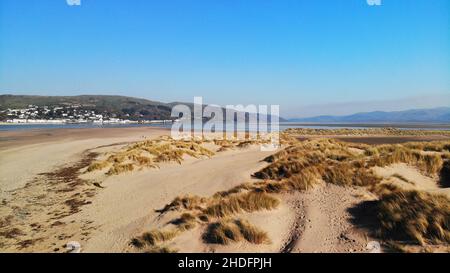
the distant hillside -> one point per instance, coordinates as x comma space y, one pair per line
435, 115
116, 106
121, 107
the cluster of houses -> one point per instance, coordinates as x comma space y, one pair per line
58, 114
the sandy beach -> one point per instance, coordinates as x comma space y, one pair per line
49, 197
124, 206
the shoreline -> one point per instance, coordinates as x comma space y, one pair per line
15, 138
85, 123
284, 125
18, 138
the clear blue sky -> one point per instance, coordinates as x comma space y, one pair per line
339, 53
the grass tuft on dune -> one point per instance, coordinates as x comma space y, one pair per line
152, 238
417, 216
300, 166
228, 231
186, 221
120, 168
147, 154
430, 164
248, 202
188, 202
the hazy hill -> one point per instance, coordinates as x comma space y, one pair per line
436, 115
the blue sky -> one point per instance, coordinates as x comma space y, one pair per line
311, 57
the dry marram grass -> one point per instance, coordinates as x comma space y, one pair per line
417, 216
147, 154
228, 231
300, 166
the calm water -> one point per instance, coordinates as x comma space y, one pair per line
283, 126
16, 127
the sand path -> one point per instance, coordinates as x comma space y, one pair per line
324, 223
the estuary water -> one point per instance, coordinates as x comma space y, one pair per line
282, 126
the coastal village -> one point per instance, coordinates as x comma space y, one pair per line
73, 113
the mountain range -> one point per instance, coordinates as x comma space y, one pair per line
112, 106
434, 115
137, 108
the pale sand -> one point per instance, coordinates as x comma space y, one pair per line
125, 208
114, 214
415, 179
314, 221
325, 224
277, 223
28, 153
31, 202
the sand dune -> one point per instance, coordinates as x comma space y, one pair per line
49, 198
126, 206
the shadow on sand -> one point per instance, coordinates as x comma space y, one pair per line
445, 175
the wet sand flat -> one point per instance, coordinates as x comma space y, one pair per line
378, 140
10, 139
